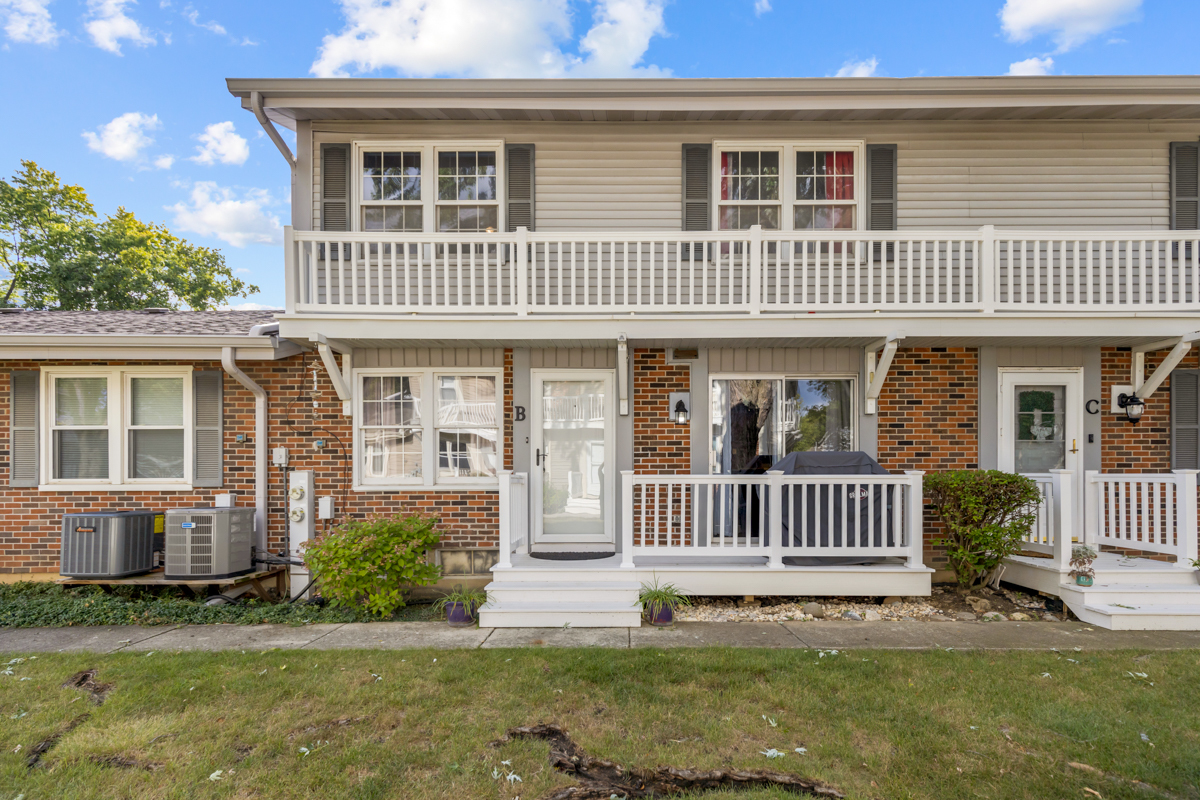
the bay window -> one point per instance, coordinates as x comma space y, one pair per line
427, 427
118, 427
756, 421
788, 185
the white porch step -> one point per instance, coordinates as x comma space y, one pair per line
529, 603
1131, 594
611, 592
1151, 617
1136, 607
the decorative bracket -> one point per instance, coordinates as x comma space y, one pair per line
877, 371
340, 377
256, 105
1144, 387
623, 374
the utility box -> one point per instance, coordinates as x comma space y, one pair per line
110, 544
209, 542
301, 522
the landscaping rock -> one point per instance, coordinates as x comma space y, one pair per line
1020, 616
978, 604
872, 616
994, 616
814, 610
854, 615
1050, 617
893, 601
966, 616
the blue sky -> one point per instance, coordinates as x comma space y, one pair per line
128, 99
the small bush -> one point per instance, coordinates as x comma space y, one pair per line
987, 513
370, 563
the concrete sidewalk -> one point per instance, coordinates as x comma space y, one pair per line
825, 635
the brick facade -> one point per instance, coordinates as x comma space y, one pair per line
928, 417
29, 535
660, 446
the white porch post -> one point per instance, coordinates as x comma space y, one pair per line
1063, 522
626, 519
521, 289
916, 517
290, 279
1185, 514
756, 273
775, 517
505, 559
1091, 506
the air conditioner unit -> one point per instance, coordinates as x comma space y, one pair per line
209, 542
109, 544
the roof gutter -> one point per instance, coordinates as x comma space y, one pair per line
256, 105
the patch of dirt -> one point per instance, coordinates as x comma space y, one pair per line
601, 780
124, 762
243, 750
46, 745
86, 681
1008, 600
335, 724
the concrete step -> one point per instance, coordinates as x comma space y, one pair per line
1147, 617
608, 592
572, 575
548, 614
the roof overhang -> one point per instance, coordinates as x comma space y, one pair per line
286, 101
72, 347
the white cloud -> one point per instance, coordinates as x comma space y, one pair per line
220, 143
164, 162
125, 137
490, 38
858, 69
216, 211
29, 21
1032, 66
108, 24
1069, 22
761, 7
193, 16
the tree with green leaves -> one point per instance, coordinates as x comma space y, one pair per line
55, 253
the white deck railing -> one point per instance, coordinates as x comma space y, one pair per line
750, 272
1151, 512
514, 530
773, 516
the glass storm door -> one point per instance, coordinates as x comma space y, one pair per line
573, 474
1041, 427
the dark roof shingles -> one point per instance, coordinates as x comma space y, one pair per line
133, 323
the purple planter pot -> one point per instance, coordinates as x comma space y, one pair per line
661, 617
459, 616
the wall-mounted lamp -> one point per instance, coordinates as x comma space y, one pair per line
1133, 406
680, 413
679, 407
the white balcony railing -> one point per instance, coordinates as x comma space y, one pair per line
751, 272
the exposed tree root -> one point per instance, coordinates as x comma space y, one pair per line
86, 680
600, 780
46, 745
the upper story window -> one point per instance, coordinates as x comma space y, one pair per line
429, 187
119, 427
788, 186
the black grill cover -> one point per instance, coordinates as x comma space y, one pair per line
871, 517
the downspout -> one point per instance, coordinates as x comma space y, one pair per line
260, 445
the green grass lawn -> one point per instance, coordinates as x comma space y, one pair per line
875, 724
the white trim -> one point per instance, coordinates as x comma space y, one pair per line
429, 149
536, 378
787, 175
780, 378
117, 426
429, 430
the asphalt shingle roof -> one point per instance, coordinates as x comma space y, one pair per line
134, 323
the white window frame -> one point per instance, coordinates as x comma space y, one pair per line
780, 378
429, 430
437, 429
119, 414
787, 175
429, 149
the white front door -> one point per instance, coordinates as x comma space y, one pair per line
1041, 427
574, 470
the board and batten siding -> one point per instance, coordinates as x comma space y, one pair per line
429, 357
1035, 175
789, 360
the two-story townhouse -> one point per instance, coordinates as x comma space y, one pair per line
583, 322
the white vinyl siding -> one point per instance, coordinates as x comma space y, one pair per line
951, 175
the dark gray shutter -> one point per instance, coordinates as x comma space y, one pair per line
519, 186
208, 445
1185, 186
881, 187
697, 162
23, 428
335, 187
1185, 419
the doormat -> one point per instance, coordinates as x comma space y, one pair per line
576, 556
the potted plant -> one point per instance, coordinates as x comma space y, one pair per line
1195, 562
461, 606
659, 602
1082, 556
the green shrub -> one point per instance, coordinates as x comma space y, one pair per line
987, 513
370, 563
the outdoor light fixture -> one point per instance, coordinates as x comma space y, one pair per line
680, 413
1133, 405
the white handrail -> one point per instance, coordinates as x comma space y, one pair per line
1143, 511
